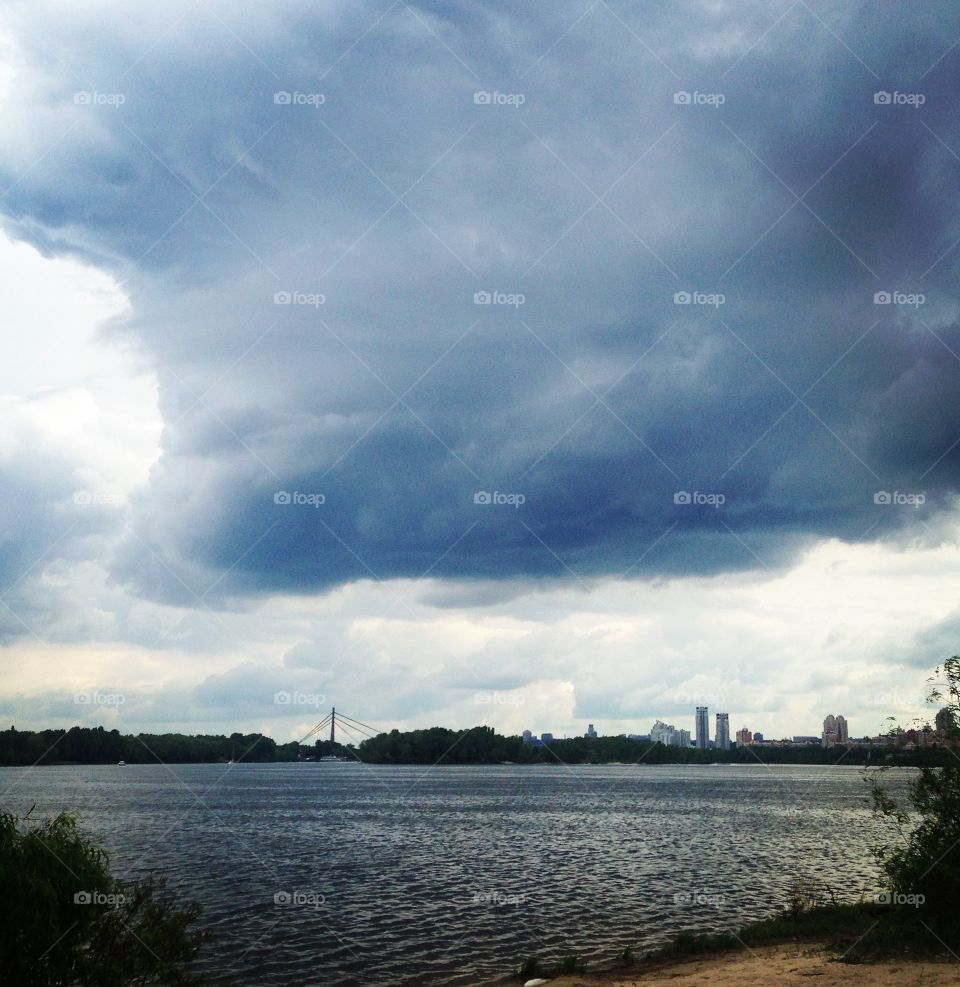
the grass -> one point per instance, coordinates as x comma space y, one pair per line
859, 933
854, 933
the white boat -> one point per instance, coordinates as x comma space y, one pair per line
121, 764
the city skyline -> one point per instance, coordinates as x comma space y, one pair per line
835, 731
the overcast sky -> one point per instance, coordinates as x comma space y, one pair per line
459, 362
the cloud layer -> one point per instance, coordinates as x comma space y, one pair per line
485, 294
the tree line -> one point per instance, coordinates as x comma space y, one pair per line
436, 745
95, 745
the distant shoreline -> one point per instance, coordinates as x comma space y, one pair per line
481, 764
435, 746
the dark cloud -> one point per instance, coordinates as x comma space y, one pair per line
598, 399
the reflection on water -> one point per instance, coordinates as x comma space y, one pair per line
343, 873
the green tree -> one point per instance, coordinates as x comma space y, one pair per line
923, 865
65, 920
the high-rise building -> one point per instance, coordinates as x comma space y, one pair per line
758, 738
703, 727
669, 735
590, 731
834, 731
744, 737
723, 732
944, 721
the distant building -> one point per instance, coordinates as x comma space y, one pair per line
835, 731
645, 736
944, 721
758, 738
527, 737
744, 737
546, 738
703, 728
723, 732
806, 740
669, 735
590, 731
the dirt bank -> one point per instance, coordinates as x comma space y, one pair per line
773, 965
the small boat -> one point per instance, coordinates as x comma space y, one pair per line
121, 764
332, 757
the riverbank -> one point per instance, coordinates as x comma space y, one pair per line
849, 943
793, 963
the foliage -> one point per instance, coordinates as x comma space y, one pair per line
64, 920
570, 964
922, 867
436, 745
805, 895
94, 745
530, 967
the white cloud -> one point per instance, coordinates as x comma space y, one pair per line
69, 386
835, 633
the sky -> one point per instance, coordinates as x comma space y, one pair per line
458, 363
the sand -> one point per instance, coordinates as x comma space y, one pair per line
774, 965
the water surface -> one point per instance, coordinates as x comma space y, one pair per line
350, 874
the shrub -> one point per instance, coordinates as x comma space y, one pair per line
65, 920
923, 867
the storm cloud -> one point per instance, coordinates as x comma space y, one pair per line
397, 257
489, 314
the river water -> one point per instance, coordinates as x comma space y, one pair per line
330, 874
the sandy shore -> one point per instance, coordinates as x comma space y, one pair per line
773, 965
